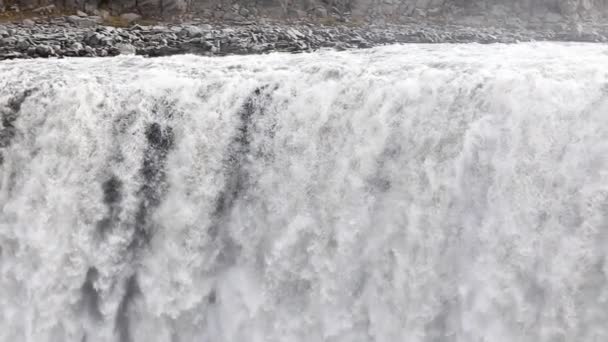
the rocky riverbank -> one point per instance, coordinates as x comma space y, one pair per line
74, 36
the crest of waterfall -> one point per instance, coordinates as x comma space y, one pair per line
407, 193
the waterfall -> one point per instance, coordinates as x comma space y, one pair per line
419, 193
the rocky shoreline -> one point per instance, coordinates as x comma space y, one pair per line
74, 36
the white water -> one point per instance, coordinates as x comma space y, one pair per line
407, 193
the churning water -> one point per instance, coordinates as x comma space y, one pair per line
444, 193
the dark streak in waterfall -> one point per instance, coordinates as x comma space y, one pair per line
380, 182
234, 164
90, 296
9, 116
237, 178
112, 197
160, 141
122, 324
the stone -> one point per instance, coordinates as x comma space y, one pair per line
244, 12
94, 39
192, 31
125, 49
28, 22
89, 51
11, 55
8, 41
23, 44
44, 50
130, 17
81, 14
76, 46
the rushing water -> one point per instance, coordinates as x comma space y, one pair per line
438, 193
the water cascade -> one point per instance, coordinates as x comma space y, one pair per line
419, 193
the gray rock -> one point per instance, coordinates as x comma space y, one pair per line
44, 50
244, 12
192, 31
23, 44
11, 55
8, 41
94, 39
28, 22
89, 51
81, 14
76, 46
125, 49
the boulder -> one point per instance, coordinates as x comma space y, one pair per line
244, 12
23, 44
76, 46
44, 50
8, 41
125, 49
191, 31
